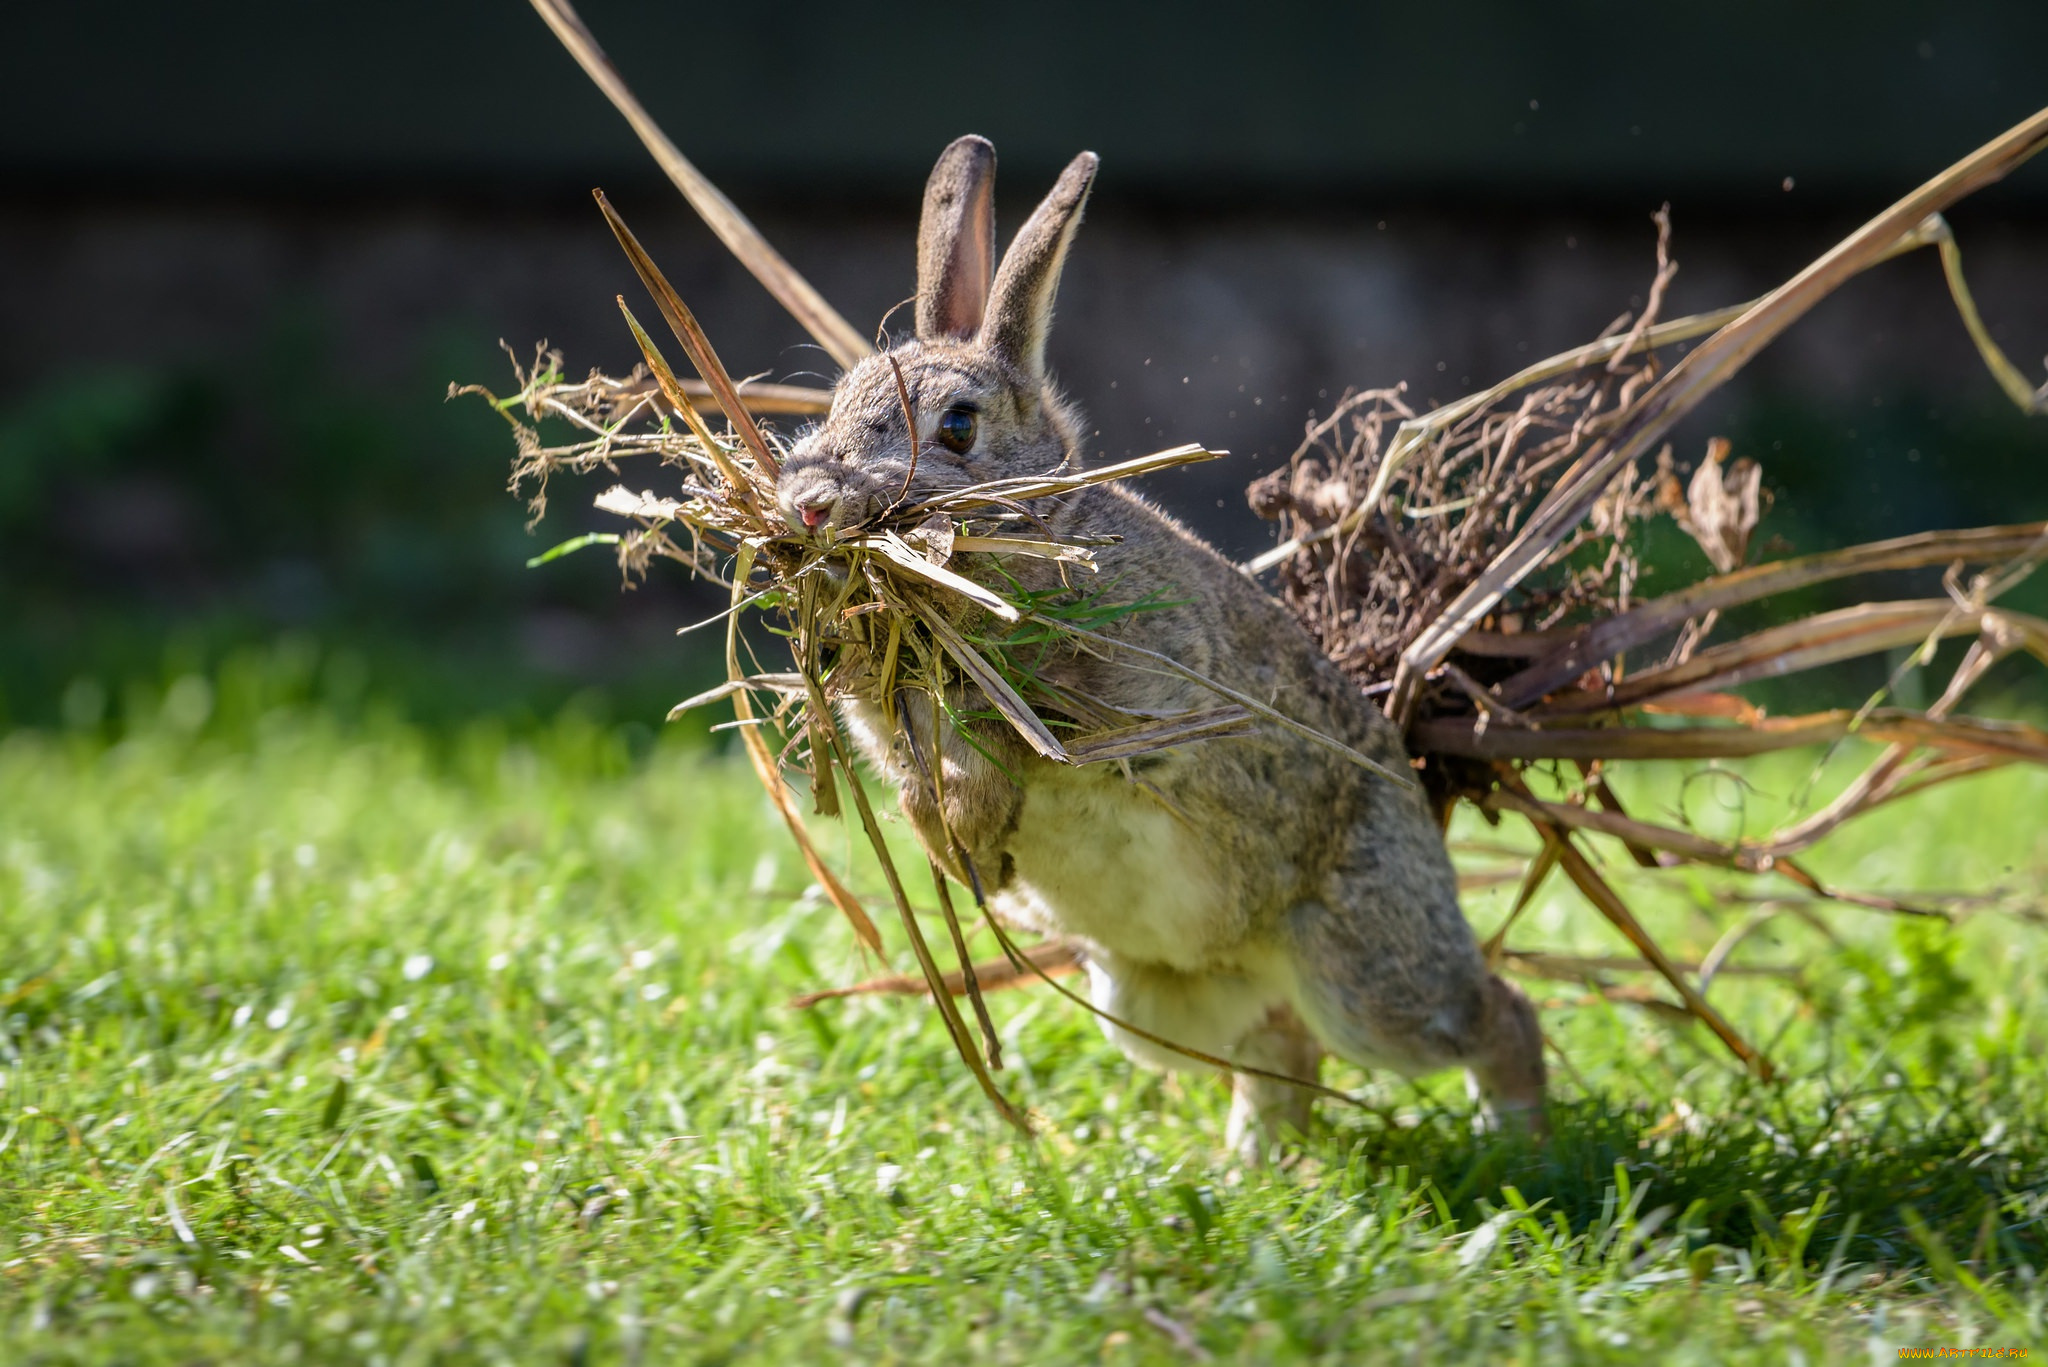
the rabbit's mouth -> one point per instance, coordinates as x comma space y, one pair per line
815, 513
822, 508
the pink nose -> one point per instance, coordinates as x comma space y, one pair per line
813, 513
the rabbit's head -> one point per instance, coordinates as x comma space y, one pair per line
973, 380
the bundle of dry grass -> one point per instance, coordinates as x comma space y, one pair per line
1387, 517
1473, 565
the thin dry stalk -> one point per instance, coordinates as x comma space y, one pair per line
2028, 398
963, 1043
1024, 964
695, 343
742, 238
970, 981
1054, 957
1461, 738
771, 779
1539, 868
1602, 895
1586, 646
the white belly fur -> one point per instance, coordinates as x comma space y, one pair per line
1096, 857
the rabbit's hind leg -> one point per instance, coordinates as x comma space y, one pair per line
1266, 1111
1405, 987
1240, 1015
1207, 1012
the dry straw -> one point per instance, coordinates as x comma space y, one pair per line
1473, 565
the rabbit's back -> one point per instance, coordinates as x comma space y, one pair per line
1193, 857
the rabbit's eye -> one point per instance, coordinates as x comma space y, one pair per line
956, 429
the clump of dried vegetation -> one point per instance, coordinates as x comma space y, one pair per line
1475, 566
1478, 565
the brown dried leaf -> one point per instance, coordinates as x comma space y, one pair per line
1721, 507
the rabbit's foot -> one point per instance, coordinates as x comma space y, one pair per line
1497, 1115
1507, 1072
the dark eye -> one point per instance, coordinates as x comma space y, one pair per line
956, 430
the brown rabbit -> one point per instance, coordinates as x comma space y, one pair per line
1257, 898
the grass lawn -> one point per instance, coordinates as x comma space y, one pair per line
354, 1044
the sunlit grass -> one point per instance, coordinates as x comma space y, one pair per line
357, 1044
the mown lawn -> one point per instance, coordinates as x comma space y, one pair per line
353, 1044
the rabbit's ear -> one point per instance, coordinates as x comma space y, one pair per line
1020, 309
956, 242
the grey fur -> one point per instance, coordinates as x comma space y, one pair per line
1020, 306
956, 242
1258, 897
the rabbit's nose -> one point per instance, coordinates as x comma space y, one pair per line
814, 511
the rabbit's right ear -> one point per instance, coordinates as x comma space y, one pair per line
1020, 311
956, 242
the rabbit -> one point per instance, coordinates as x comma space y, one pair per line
1258, 898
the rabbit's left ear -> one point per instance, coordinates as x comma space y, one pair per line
1020, 307
956, 242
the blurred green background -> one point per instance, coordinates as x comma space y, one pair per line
246, 250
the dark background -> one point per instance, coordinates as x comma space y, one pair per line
244, 248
